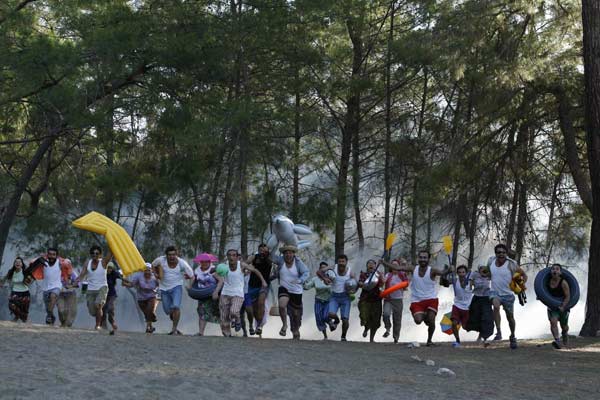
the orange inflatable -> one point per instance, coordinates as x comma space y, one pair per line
36, 268
392, 289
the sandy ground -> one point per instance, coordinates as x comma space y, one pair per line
41, 362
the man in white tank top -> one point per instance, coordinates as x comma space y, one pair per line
94, 271
502, 270
463, 294
340, 299
423, 287
232, 293
171, 270
292, 274
51, 283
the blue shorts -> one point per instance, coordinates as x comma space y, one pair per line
251, 296
340, 301
47, 293
506, 300
171, 299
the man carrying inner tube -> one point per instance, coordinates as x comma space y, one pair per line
502, 270
424, 301
558, 287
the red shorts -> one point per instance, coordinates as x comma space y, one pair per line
421, 307
460, 316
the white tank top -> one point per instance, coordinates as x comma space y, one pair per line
422, 288
234, 282
288, 278
462, 296
340, 280
501, 277
52, 276
96, 278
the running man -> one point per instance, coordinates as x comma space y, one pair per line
292, 274
95, 274
51, 283
369, 303
322, 297
146, 286
558, 287
232, 293
171, 270
257, 294
340, 299
502, 270
463, 294
67, 299
424, 301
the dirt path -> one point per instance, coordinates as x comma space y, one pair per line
39, 362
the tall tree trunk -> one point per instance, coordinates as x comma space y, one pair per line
387, 173
10, 211
225, 212
351, 125
356, 189
523, 195
296, 164
137, 214
549, 232
591, 62
512, 217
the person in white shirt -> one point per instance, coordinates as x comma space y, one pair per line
232, 293
51, 283
94, 271
424, 300
171, 270
463, 294
502, 269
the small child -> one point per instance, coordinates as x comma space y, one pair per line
322, 296
463, 295
481, 315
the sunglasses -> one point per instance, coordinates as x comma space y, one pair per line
95, 253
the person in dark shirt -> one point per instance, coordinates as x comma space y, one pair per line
108, 311
558, 287
369, 303
254, 301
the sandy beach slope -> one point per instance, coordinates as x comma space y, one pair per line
38, 362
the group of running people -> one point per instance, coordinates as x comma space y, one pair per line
241, 288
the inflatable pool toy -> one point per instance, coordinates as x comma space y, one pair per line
446, 324
392, 289
542, 290
203, 293
372, 283
350, 286
285, 231
222, 270
517, 285
122, 247
35, 269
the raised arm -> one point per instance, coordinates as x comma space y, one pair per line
402, 267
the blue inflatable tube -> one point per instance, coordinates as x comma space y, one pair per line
543, 294
204, 293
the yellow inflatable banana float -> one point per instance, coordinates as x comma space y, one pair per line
121, 245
